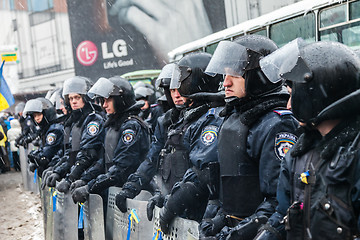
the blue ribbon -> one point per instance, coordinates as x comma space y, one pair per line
35, 174
81, 216
129, 228
157, 235
54, 197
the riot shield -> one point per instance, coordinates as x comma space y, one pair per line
110, 213
65, 218
94, 228
29, 179
182, 229
134, 222
46, 202
24, 167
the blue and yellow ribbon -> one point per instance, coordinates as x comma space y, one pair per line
132, 216
81, 216
304, 177
157, 235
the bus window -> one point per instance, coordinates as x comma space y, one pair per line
211, 48
354, 10
303, 26
261, 32
332, 16
348, 34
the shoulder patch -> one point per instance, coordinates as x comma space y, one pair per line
128, 136
283, 142
51, 138
209, 135
283, 112
92, 128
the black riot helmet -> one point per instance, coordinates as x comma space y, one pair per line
190, 76
163, 81
241, 59
41, 105
117, 87
325, 80
79, 85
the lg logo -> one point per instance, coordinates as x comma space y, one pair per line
87, 52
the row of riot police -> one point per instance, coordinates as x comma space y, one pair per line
228, 153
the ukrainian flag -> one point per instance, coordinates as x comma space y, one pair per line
6, 98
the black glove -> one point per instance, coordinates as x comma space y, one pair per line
129, 190
166, 217
224, 233
80, 194
46, 173
102, 182
246, 229
187, 198
210, 227
156, 200
32, 167
33, 156
77, 184
63, 186
51, 180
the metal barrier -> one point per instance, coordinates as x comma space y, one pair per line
65, 225
94, 228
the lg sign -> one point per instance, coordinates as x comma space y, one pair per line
87, 51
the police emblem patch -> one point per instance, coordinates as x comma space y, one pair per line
128, 136
283, 142
209, 135
93, 128
50, 138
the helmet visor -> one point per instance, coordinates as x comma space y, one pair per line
175, 78
282, 61
166, 72
229, 59
103, 88
31, 106
74, 85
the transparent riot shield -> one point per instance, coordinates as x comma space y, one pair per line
182, 229
65, 218
134, 222
94, 227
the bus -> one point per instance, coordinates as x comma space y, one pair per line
312, 20
145, 76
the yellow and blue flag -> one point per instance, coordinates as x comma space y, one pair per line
6, 98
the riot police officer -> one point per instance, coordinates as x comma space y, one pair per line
86, 135
317, 190
126, 143
141, 179
149, 112
43, 113
253, 139
191, 144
